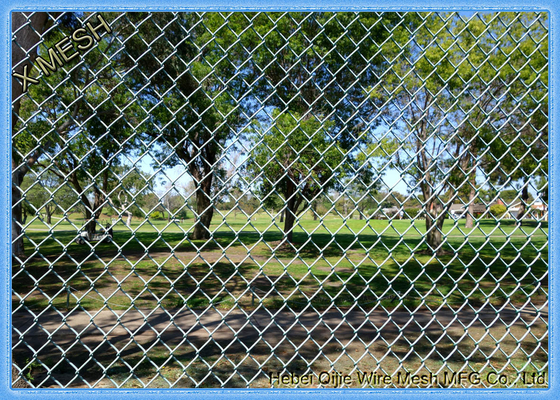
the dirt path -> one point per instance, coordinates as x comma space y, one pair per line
310, 334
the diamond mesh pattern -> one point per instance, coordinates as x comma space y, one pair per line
223, 199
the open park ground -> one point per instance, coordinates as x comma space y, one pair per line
350, 295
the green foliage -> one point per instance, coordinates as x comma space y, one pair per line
76, 122
462, 96
136, 211
156, 215
520, 79
512, 197
47, 194
183, 214
497, 210
336, 89
323, 58
35, 364
412, 212
295, 155
194, 96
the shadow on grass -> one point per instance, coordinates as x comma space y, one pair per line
209, 362
372, 268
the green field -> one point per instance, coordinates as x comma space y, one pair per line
349, 265
245, 263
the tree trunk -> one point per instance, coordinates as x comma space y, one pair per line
433, 237
24, 45
48, 211
17, 211
434, 225
92, 214
88, 214
472, 180
282, 215
26, 38
470, 213
523, 204
290, 210
204, 210
128, 218
289, 226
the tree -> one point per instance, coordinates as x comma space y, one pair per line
503, 63
297, 158
27, 29
319, 63
519, 154
152, 202
511, 197
445, 100
415, 97
193, 82
78, 130
248, 203
211, 74
323, 205
172, 201
46, 194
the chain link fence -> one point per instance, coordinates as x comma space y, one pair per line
326, 199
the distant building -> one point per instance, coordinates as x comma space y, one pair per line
537, 210
458, 211
389, 212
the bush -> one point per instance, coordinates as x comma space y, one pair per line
156, 215
182, 214
375, 214
136, 211
390, 214
497, 210
412, 212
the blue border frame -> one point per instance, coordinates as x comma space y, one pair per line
8, 6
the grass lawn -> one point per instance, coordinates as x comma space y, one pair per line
245, 263
353, 264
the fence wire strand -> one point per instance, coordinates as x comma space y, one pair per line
280, 199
